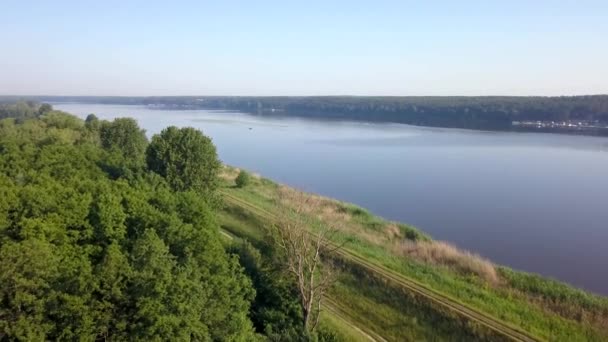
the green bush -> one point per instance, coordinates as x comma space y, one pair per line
243, 179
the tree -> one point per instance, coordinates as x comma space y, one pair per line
92, 122
243, 179
302, 256
125, 136
20, 110
61, 120
92, 131
44, 108
186, 158
275, 311
87, 256
91, 118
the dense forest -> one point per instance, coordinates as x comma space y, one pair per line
480, 112
105, 235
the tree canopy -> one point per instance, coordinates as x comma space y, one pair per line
88, 253
186, 158
23, 109
125, 136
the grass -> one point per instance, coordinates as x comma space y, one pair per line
397, 315
443, 254
235, 228
358, 294
546, 308
344, 331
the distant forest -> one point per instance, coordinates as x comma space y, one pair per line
483, 112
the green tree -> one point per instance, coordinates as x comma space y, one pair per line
20, 110
91, 118
28, 272
125, 136
243, 179
92, 122
88, 256
44, 108
186, 158
93, 127
58, 119
275, 311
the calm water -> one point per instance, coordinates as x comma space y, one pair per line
535, 202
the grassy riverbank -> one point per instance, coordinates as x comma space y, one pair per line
544, 308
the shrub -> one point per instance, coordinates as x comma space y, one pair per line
413, 234
243, 179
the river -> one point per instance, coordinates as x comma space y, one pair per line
535, 202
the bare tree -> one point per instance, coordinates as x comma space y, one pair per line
302, 251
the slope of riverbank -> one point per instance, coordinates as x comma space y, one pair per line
503, 301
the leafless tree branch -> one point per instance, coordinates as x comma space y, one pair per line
303, 257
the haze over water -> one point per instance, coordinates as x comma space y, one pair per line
534, 202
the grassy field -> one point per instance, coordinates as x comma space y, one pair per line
545, 308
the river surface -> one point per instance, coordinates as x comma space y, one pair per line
534, 202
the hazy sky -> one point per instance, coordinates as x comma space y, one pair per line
308, 47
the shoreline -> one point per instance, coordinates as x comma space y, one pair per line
535, 303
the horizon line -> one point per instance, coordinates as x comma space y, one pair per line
303, 96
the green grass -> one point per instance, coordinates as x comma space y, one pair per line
397, 315
241, 223
371, 222
343, 331
544, 307
369, 308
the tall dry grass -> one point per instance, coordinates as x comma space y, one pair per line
432, 252
445, 254
322, 207
228, 173
328, 211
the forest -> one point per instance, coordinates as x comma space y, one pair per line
475, 112
106, 235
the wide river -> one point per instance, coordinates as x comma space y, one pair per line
534, 202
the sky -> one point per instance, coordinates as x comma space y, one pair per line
149, 48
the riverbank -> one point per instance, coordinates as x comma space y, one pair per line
542, 307
527, 191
